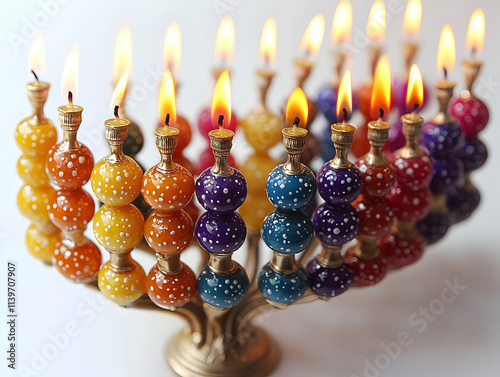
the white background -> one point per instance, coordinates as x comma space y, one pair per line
336, 338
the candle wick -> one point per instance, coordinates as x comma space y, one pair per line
473, 52
296, 122
221, 122
116, 112
345, 115
381, 114
167, 120
415, 107
445, 73
34, 74
70, 98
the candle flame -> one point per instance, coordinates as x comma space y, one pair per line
119, 92
172, 48
166, 102
313, 36
415, 91
381, 89
375, 27
221, 100
342, 23
344, 97
413, 18
267, 51
36, 60
224, 44
297, 107
446, 50
475, 31
122, 62
70, 74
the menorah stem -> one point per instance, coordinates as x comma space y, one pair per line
252, 262
309, 251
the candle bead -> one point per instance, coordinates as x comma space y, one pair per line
282, 288
290, 191
412, 172
169, 233
462, 202
473, 154
367, 272
171, 290
71, 210
447, 174
409, 204
442, 140
79, 263
329, 282
375, 216
221, 194
41, 245
218, 233
168, 191
472, 114
70, 168
377, 180
402, 252
34, 201
287, 232
223, 290
35, 139
32, 171
338, 186
122, 288
335, 224
117, 183
435, 225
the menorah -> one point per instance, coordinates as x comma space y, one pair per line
391, 204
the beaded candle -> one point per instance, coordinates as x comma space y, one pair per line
261, 129
288, 230
168, 187
69, 165
473, 116
443, 138
221, 190
374, 209
336, 222
118, 225
35, 135
410, 198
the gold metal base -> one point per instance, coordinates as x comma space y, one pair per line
254, 355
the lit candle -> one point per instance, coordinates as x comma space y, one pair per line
343, 130
221, 107
443, 138
224, 45
172, 48
411, 29
35, 135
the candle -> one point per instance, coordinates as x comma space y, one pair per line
374, 209
262, 131
69, 165
443, 138
288, 230
35, 135
473, 116
339, 183
168, 187
410, 198
221, 231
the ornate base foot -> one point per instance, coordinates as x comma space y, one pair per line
256, 354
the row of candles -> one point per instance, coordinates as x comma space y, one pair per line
221, 190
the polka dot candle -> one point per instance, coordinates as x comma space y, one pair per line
118, 224
472, 114
287, 230
374, 209
35, 136
221, 231
410, 198
336, 222
168, 187
443, 138
69, 165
